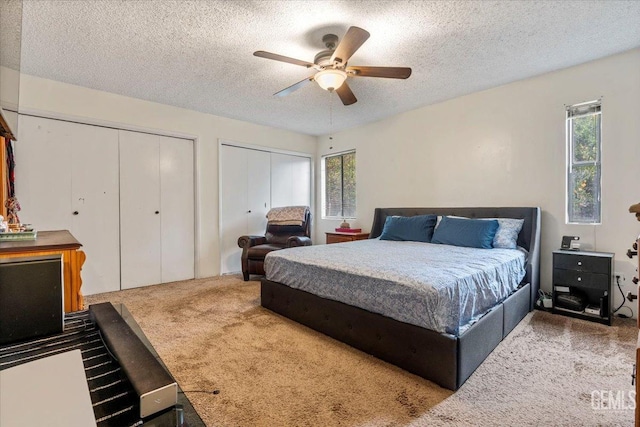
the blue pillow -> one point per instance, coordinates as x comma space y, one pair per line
417, 228
508, 230
471, 233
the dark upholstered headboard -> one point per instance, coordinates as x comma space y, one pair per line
529, 237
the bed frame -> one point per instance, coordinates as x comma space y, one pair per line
445, 359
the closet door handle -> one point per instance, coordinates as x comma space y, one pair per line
76, 212
248, 211
157, 212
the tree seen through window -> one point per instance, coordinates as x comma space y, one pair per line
584, 168
340, 185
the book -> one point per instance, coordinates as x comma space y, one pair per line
349, 230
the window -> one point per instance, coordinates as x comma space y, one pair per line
584, 163
339, 185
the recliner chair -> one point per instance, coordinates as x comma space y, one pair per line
255, 248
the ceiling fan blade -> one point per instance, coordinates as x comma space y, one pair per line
388, 72
351, 42
346, 96
276, 57
294, 87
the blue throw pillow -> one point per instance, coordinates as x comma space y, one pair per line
508, 230
417, 228
471, 233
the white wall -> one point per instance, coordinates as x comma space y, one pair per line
69, 100
506, 147
503, 146
9, 88
9, 95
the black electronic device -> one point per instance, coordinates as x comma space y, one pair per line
575, 300
604, 305
566, 242
30, 297
154, 385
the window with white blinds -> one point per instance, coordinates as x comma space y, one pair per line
339, 185
584, 168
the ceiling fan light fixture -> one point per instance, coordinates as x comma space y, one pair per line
330, 79
331, 64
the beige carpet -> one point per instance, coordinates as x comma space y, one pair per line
213, 334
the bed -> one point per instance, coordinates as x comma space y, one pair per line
445, 349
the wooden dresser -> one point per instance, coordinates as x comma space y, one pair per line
50, 243
340, 237
4, 178
635, 209
630, 254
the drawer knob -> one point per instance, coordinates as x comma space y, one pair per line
579, 262
579, 279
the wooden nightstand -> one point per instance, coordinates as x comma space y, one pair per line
339, 237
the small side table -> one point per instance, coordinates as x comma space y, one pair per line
589, 272
341, 236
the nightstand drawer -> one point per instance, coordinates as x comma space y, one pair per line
341, 237
334, 238
582, 263
581, 279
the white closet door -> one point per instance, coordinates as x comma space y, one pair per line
258, 191
63, 168
140, 250
43, 173
301, 181
177, 209
244, 200
281, 185
290, 180
233, 205
95, 205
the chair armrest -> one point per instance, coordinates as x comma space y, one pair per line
249, 241
294, 241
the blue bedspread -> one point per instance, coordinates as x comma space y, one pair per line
438, 287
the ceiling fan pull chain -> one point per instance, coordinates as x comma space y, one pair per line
331, 116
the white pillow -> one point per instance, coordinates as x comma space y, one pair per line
507, 235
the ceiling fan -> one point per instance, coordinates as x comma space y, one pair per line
331, 65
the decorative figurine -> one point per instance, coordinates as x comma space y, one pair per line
13, 207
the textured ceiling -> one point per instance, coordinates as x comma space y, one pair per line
11, 28
198, 54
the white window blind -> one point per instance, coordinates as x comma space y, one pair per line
339, 185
